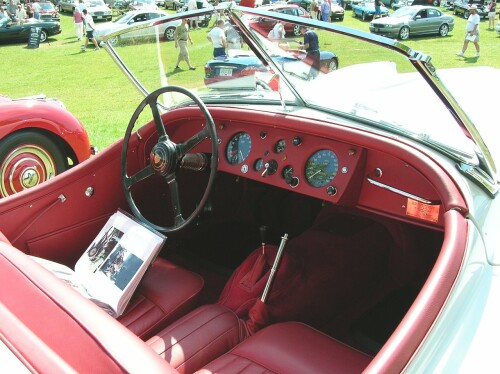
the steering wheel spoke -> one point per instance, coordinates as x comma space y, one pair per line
160, 127
175, 199
192, 142
166, 158
137, 177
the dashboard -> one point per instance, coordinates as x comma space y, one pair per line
307, 164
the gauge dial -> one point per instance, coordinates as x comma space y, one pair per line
280, 146
321, 168
259, 163
238, 148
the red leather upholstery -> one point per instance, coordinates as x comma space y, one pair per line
196, 339
166, 293
289, 347
51, 328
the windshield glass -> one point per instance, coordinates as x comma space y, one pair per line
403, 12
344, 76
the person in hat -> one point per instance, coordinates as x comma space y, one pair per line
471, 31
311, 46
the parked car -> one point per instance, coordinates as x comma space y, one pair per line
174, 4
242, 68
366, 9
462, 7
99, 10
413, 21
67, 6
336, 12
332, 225
48, 12
306, 4
142, 5
135, 18
396, 4
13, 32
204, 20
39, 139
264, 25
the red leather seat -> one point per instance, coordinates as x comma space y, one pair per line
51, 328
166, 293
199, 337
289, 347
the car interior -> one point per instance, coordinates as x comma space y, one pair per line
353, 286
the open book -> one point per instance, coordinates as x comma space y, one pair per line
112, 266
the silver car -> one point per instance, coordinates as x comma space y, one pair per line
134, 18
412, 21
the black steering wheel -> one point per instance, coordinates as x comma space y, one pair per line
167, 158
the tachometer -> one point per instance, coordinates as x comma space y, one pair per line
321, 168
238, 148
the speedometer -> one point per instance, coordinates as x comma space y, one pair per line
238, 148
321, 168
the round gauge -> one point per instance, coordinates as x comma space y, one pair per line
321, 168
238, 148
280, 146
259, 163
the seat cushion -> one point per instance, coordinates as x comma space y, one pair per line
166, 293
198, 338
289, 347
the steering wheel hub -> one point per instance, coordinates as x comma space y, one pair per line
163, 160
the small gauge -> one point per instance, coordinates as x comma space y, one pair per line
321, 168
270, 168
238, 148
280, 146
258, 164
287, 173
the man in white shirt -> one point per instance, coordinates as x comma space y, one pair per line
217, 37
36, 9
193, 6
89, 27
471, 31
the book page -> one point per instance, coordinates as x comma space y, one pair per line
117, 259
64, 273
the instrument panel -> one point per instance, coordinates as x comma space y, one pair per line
308, 164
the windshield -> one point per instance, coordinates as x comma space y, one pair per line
358, 82
95, 3
403, 12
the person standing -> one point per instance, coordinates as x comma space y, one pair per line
90, 27
471, 31
325, 11
313, 9
181, 38
21, 14
36, 9
277, 32
217, 37
378, 5
78, 20
492, 6
11, 9
193, 6
311, 46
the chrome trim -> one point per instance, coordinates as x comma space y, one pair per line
401, 192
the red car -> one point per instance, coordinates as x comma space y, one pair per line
264, 25
48, 12
39, 139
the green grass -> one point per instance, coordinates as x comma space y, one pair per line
96, 92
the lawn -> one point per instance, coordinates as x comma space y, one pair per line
96, 91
